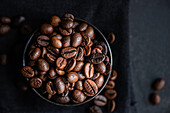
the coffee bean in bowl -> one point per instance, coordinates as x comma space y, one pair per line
67, 61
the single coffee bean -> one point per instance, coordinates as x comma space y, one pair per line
71, 64
68, 16
50, 58
65, 31
35, 54
43, 65
59, 36
55, 20
18, 20
60, 72
43, 40
100, 100
78, 96
155, 98
90, 32
50, 88
110, 85
95, 109
36, 82
59, 84
111, 38
61, 99
4, 29
52, 50
97, 58
158, 84
95, 76
52, 73
3, 59
44, 52
76, 39
25, 29
108, 69
81, 76
56, 42
67, 24
113, 75
72, 77
87, 50
79, 66
80, 53
66, 41
111, 105
104, 50
61, 63
90, 87
86, 40
101, 68
89, 70
75, 24
79, 85
110, 94
27, 71
46, 29
5, 20
96, 50
68, 52
99, 81
82, 27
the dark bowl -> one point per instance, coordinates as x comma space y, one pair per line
97, 31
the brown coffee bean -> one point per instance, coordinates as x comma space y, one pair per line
50, 88
155, 98
79, 85
43, 65
59, 84
78, 96
79, 66
66, 41
72, 77
44, 52
90, 87
99, 81
55, 20
87, 50
4, 29
35, 54
95, 109
89, 70
96, 50
113, 75
82, 27
68, 16
86, 40
80, 53
65, 31
76, 39
110, 94
52, 73
158, 84
46, 29
100, 100
50, 58
59, 36
60, 72
25, 29
31, 63
107, 60
43, 77
71, 64
95, 76
111, 105
68, 52
67, 24
61, 99
3, 59
90, 32
101, 68
27, 71
97, 58
56, 42
104, 48
75, 24
5, 20
52, 50
81, 76
108, 69
36, 82
65, 93
61, 63
110, 85
43, 40
111, 38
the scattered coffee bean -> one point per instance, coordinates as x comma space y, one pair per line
100, 100
90, 87
4, 29
68, 52
79, 66
56, 42
46, 29
43, 65
35, 54
111, 105
55, 20
52, 73
90, 32
78, 96
35, 82
59, 84
110, 85
155, 98
82, 27
113, 75
66, 41
95, 109
72, 77
111, 38
61, 63
89, 70
76, 39
43, 40
27, 71
5, 20
110, 94
158, 84
101, 68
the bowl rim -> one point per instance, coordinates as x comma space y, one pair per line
101, 89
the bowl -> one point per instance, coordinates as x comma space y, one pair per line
102, 37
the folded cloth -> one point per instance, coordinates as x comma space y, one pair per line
107, 15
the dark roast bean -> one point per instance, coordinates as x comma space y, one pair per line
62, 100
71, 86
78, 96
59, 36
65, 31
4, 29
96, 50
25, 29
76, 39
110, 85
43, 40
75, 24
3, 59
56, 42
44, 52
108, 69
79, 85
81, 76
155, 98
86, 40
82, 27
101, 68
5, 20
50, 88
99, 81
46, 29
97, 58
107, 60
90, 32
52, 50
36, 82
32, 63
80, 53
52, 73
67, 24
59, 84
61, 63
27, 71
87, 50
79, 66
43, 65
66, 41
100, 100
35, 54
54, 34
50, 58
60, 72
158, 84
95, 109
110, 94
18, 20
113, 76
111, 105
43, 77
104, 50
71, 64
55, 20
90, 87
72, 77
95, 76
68, 52
68, 16
111, 38
89, 70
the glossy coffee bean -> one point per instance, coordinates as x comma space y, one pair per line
27, 71
61, 63
89, 70
67, 24
46, 29
97, 58
108, 69
90, 87
50, 88
72, 77
52, 50
50, 58
76, 39
54, 34
60, 72
99, 81
155, 98
56, 42
35, 54
18, 20
100, 100
66, 92
68, 52
80, 53
68, 16
96, 50
66, 41
71, 64
75, 24
25, 30
110, 94
79, 66
113, 75
5, 20
61, 99
32, 63
44, 52
36, 82
59, 36
43, 40
107, 60
158, 84
95, 109
43, 65
90, 32
95, 76
82, 27
4, 29
86, 40
110, 85
111, 105
81, 76
101, 68
65, 31
52, 73
79, 85
104, 50
3, 59
55, 20
111, 38
78, 96
59, 84
87, 50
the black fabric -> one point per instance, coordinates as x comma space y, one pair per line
107, 15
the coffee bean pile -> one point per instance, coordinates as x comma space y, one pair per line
66, 62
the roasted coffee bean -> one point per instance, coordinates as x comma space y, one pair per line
27, 71
110, 94
43, 65
52, 73
110, 85
155, 98
111, 38
50, 58
100, 100
50, 88
79, 85
71, 64
95, 76
86, 40
68, 16
81, 76
32, 63
44, 52
18, 20
67, 24
3, 59
90, 32
43, 40
56, 42
65, 31
96, 50
108, 69
68, 52
76, 39
101, 68
97, 58
78, 96
107, 60
111, 105
36, 82
158, 84
71, 86
55, 20
82, 27
80, 53
46, 29
62, 100
65, 93
79, 66
104, 50
89, 70
113, 75
72, 77
59, 36
52, 50
60, 72
5, 20
75, 24
25, 29
61, 63
90, 87
95, 109
4, 29
99, 81
87, 50
59, 84
66, 41
43, 77
35, 54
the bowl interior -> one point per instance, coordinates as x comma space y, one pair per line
100, 37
